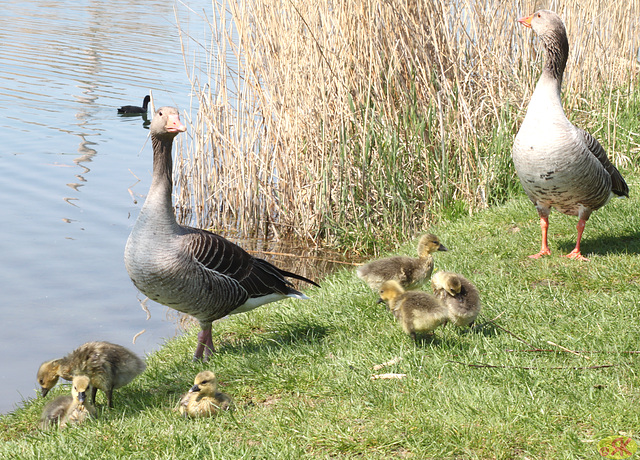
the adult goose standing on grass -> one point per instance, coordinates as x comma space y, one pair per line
188, 269
559, 165
134, 109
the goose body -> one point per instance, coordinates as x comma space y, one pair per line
560, 165
132, 109
204, 399
459, 295
69, 409
188, 269
409, 272
107, 365
417, 311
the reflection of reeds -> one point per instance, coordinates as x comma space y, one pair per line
357, 121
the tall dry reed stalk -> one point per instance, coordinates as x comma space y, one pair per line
358, 121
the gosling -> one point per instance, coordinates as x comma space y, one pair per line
409, 272
460, 296
108, 366
69, 409
417, 311
204, 399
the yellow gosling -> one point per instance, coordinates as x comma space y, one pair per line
108, 366
417, 311
459, 295
69, 409
204, 399
409, 272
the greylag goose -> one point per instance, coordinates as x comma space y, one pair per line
459, 295
409, 272
192, 270
69, 409
417, 311
108, 366
204, 399
130, 109
559, 165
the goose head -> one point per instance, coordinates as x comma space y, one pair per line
390, 291
429, 244
48, 375
447, 281
79, 389
549, 27
166, 123
206, 383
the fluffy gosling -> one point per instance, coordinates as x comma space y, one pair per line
409, 272
108, 366
204, 399
69, 409
459, 295
417, 311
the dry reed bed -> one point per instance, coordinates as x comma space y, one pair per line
355, 121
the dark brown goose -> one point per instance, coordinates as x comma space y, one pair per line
559, 165
134, 108
188, 269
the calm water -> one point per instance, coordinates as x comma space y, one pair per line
70, 168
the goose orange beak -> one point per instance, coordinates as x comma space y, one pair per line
174, 125
526, 21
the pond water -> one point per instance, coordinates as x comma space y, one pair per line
68, 166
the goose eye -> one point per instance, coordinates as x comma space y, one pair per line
160, 113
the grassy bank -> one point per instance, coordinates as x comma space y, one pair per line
357, 123
300, 371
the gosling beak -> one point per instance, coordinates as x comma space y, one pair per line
194, 389
526, 21
82, 396
442, 247
380, 301
44, 391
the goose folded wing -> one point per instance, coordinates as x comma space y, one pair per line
256, 276
618, 184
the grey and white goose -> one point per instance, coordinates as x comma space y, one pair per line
560, 165
188, 269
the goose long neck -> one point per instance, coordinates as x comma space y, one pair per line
161, 183
556, 46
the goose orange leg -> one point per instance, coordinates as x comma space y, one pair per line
575, 254
544, 227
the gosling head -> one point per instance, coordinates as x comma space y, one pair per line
48, 375
390, 291
429, 244
447, 281
79, 387
206, 383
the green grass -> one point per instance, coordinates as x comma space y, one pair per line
300, 372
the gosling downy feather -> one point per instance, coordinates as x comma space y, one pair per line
459, 295
108, 366
204, 399
188, 269
559, 165
417, 311
69, 409
409, 272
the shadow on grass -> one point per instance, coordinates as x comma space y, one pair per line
294, 334
623, 244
